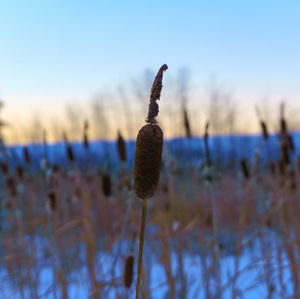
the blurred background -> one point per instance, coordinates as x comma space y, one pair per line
66, 62
75, 81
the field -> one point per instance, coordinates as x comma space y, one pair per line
223, 223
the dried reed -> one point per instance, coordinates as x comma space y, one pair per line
147, 163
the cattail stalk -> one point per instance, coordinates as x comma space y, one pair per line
141, 247
147, 161
207, 153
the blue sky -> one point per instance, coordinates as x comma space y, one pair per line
53, 51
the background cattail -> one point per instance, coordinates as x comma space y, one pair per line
186, 124
264, 130
20, 171
206, 135
69, 149
121, 147
26, 155
128, 271
106, 184
283, 125
70, 153
85, 135
4, 168
52, 200
11, 185
147, 162
244, 168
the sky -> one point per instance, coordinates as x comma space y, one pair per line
55, 52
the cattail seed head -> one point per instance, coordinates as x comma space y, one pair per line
11, 185
26, 155
281, 166
121, 147
4, 168
186, 124
147, 164
70, 153
20, 171
52, 200
244, 168
106, 185
264, 130
128, 271
85, 135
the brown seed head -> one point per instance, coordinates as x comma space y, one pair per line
147, 164
106, 185
264, 130
121, 147
70, 153
128, 271
4, 168
52, 200
26, 155
245, 169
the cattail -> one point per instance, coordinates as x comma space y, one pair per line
20, 171
85, 135
52, 200
128, 271
285, 153
206, 135
4, 168
121, 147
186, 124
26, 155
264, 130
70, 153
147, 162
11, 185
245, 169
69, 149
283, 125
106, 184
